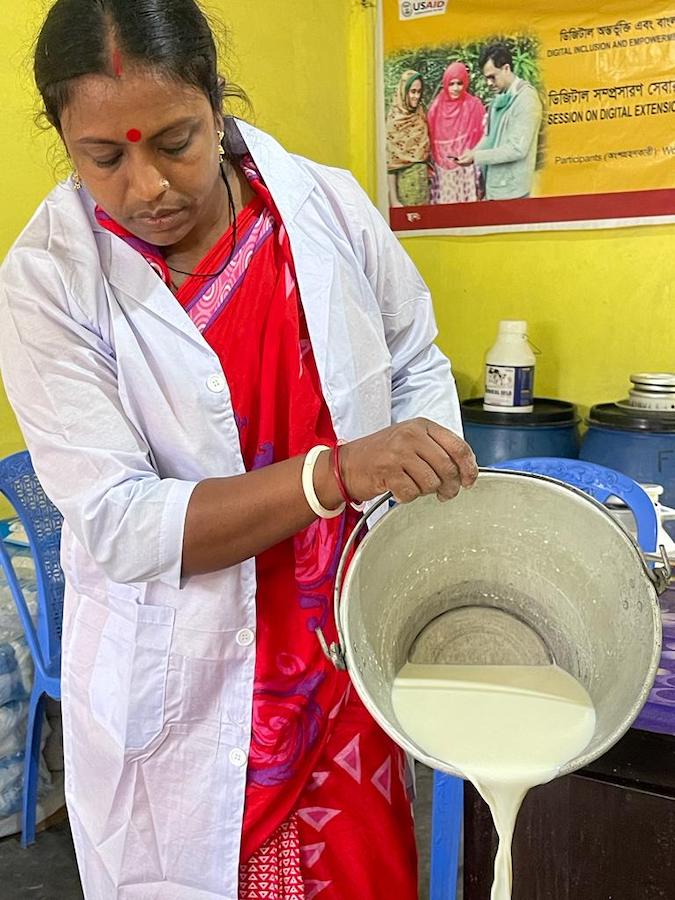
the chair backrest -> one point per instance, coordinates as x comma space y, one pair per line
601, 483
42, 522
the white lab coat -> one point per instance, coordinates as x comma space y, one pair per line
125, 408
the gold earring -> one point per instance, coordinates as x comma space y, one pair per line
165, 183
77, 181
221, 149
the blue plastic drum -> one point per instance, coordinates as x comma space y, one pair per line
551, 429
637, 442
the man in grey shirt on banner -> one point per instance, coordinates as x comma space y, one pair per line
508, 152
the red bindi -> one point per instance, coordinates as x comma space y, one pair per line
134, 135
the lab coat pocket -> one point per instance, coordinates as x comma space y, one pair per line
128, 683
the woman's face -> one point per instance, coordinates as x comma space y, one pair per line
455, 88
126, 135
415, 94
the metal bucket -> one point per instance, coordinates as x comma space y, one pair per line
520, 570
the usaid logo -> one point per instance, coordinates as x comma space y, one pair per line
415, 9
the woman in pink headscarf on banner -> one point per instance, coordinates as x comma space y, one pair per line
456, 124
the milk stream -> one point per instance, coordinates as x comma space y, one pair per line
505, 728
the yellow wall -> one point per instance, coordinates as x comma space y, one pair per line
600, 305
25, 176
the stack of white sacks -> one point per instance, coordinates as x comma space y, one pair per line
16, 679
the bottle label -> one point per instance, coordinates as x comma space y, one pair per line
508, 385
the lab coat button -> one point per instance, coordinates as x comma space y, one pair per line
245, 637
215, 383
237, 757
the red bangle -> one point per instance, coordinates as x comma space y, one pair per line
338, 474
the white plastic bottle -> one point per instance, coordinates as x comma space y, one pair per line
509, 370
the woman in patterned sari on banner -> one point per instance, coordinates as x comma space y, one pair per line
408, 144
456, 124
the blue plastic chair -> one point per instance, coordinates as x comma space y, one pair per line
42, 522
448, 795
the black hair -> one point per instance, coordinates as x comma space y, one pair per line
172, 37
498, 53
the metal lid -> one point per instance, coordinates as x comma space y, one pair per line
545, 412
625, 418
661, 382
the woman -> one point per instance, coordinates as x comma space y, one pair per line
185, 326
456, 124
408, 144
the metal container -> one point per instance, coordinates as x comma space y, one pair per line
652, 390
521, 569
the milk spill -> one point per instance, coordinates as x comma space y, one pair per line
506, 728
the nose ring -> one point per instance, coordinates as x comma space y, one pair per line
165, 184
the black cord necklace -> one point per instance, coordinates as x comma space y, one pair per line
233, 220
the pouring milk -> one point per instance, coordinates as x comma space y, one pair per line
505, 728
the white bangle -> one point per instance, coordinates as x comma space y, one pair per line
308, 485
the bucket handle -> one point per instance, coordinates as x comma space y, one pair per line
660, 575
335, 651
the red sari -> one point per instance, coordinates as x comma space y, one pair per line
326, 810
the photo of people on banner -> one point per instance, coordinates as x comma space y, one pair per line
526, 116
466, 146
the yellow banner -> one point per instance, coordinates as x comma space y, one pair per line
598, 84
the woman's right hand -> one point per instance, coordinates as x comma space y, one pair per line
409, 459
